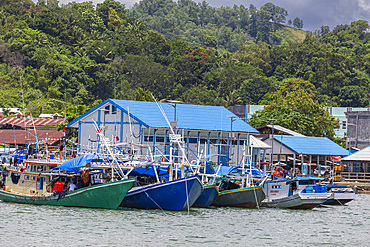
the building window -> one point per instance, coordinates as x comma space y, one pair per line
213, 141
27, 177
148, 138
223, 141
203, 141
106, 109
192, 140
344, 125
114, 109
159, 139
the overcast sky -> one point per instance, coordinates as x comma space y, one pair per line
314, 13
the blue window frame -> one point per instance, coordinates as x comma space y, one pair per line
114, 109
106, 109
192, 140
159, 139
148, 138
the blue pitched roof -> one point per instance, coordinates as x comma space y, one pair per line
311, 145
196, 117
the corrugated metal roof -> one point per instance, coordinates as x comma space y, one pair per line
20, 137
311, 145
257, 143
195, 117
363, 156
37, 121
281, 129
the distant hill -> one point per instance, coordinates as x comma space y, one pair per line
224, 27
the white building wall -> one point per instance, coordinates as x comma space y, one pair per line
115, 123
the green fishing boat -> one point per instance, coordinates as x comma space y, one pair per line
30, 184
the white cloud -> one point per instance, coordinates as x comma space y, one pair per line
365, 5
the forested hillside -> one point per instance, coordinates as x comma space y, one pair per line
180, 50
223, 28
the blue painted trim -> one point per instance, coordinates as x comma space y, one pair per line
141, 137
98, 123
165, 141
154, 139
121, 128
87, 113
91, 122
238, 147
99, 119
209, 144
113, 102
79, 137
187, 143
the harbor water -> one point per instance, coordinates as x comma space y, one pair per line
27, 225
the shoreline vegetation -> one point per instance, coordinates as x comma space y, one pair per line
73, 56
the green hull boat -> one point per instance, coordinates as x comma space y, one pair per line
105, 195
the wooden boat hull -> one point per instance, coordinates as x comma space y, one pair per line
106, 195
172, 195
298, 201
210, 193
245, 197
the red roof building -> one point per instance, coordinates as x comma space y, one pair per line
21, 131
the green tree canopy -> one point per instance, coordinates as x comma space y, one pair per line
297, 110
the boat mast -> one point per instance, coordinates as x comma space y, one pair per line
24, 113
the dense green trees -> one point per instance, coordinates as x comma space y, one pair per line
295, 107
180, 50
195, 23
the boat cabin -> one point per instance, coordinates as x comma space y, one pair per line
280, 188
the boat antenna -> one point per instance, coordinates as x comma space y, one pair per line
24, 113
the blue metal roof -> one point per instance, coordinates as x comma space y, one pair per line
196, 117
311, 145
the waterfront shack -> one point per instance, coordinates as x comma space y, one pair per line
357, 166
297, 150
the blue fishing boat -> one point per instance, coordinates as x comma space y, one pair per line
179, 194
210, 193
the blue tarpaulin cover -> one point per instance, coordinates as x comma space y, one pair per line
73, 164
226, 170
149, 171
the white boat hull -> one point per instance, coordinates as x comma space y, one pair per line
340, 198
298, 201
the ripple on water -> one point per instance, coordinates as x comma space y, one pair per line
60, 226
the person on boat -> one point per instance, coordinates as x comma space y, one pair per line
65, 187
327, 174
72, 187
61, 151
108, 178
